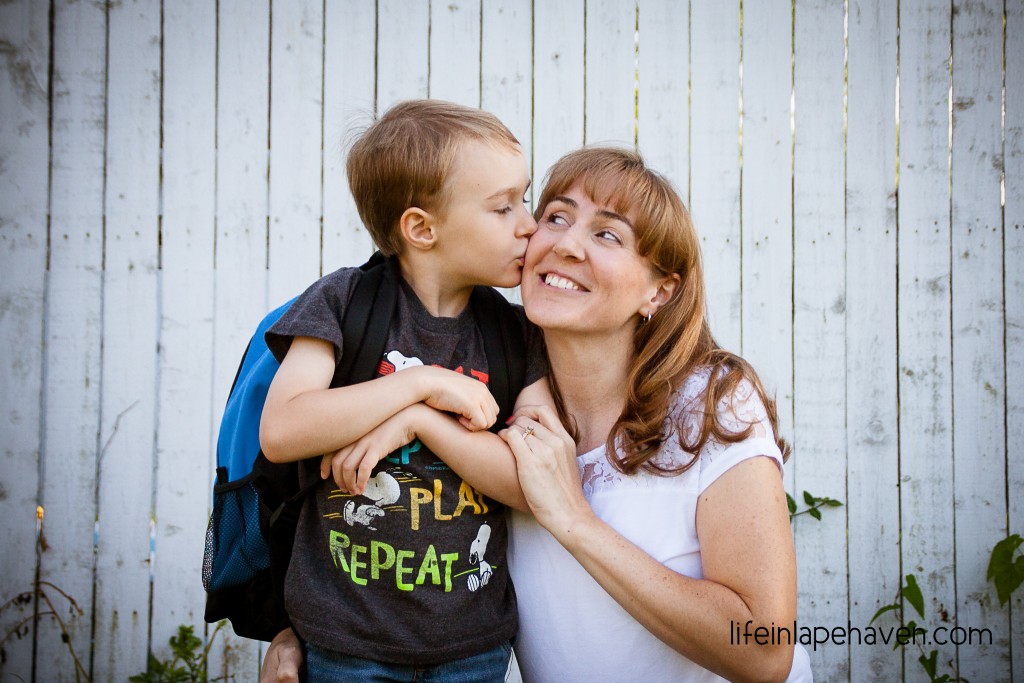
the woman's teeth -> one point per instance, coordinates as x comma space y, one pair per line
560, 282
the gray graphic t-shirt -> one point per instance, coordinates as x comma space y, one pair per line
414, 569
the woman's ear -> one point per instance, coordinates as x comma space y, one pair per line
417, 226
666, 289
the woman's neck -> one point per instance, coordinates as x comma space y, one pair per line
591, 375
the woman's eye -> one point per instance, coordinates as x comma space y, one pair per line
609, 236
558, 219
504, 210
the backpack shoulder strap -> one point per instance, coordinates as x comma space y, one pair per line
364, 327
364, 332
505, 347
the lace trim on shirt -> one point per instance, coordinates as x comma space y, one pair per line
735, 413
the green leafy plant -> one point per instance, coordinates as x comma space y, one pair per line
911, 593
1006, 567
188, 661
814, 505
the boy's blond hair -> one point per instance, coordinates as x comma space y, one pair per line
404, 159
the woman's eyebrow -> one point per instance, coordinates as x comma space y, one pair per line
604, 213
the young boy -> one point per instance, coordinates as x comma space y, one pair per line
405, 569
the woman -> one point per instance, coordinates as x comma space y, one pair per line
659, 534
679, 531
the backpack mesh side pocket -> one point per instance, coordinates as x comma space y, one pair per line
235, 548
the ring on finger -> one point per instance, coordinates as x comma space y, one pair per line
528, 431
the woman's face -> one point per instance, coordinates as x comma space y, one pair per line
583, 272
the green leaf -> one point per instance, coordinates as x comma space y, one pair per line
816, 513
790, 503
929, 663
808, 498
912, 593
832, 503
883, 610
1003, 570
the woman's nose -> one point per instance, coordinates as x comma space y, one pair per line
568, 246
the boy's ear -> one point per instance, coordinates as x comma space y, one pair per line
418, 228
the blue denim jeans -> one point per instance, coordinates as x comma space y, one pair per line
326, 666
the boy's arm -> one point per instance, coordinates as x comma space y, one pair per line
303, 417
483, 459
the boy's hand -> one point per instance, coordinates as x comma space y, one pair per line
466, 397
353, 464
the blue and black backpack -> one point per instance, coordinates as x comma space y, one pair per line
256, 503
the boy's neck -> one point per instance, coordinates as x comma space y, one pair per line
434, 288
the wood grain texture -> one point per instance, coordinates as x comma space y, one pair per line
923, 319
24, 190
872, 437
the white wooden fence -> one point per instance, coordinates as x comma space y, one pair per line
171, 170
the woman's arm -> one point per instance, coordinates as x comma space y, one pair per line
283, 659
746, 551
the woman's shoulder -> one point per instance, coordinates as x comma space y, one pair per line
691, 397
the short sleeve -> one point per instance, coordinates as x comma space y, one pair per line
736, 412
316, 313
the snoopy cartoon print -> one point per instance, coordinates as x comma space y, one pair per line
396, 361
382, 489
476, 556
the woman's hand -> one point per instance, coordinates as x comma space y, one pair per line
283, 659
353, 464
546, 464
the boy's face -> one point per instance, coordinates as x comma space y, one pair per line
485, 226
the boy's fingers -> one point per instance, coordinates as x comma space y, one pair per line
364, 472
325, 465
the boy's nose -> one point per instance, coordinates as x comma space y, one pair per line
527, 225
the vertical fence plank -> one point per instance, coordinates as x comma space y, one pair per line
872, 508
979, 459
557, 82
819, 324
402, 55
129, 341
767, 201
663, 107
296, 144
455, 51
923, 323
1013, 225
610, 58
714, 158
506, 69
243, 53
350, 40
24, 118
186, 317
74, 321
506, 77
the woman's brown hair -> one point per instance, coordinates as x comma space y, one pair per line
677, 340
